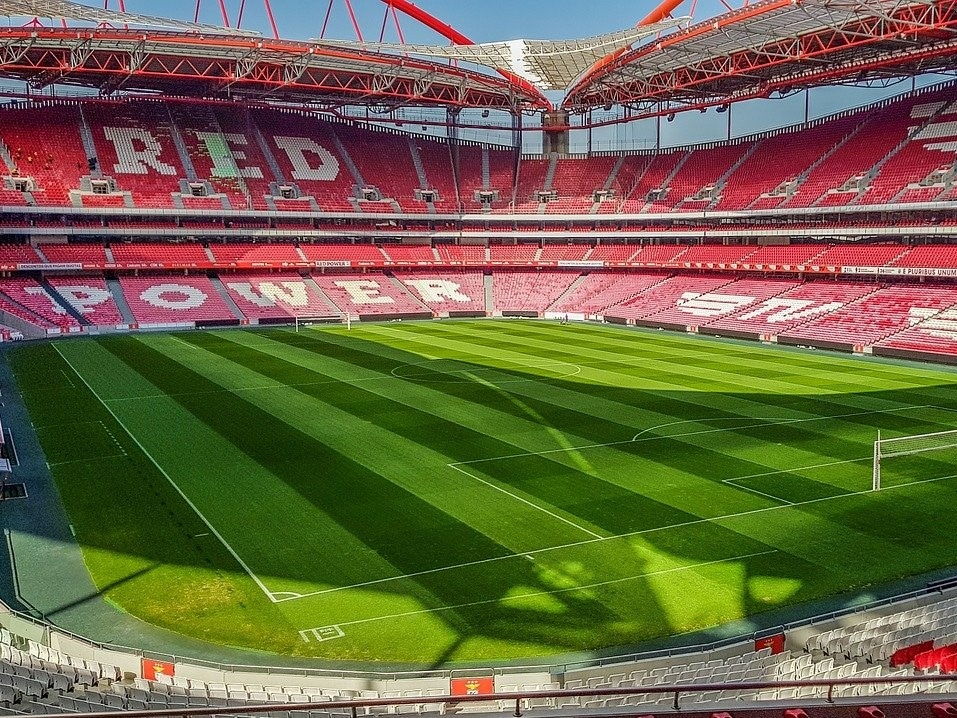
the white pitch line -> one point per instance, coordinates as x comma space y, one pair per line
640, 532
87, 458
148, 455
569, 589
525, 501
637, 439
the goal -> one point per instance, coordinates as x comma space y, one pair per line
909, 445
308, 321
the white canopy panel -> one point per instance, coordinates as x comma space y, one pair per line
548, 64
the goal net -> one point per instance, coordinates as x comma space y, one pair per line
308, 321
908, 446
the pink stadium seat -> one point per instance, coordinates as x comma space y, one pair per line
694, 308
90, 296
664, 296
409, 253
164, 300
462, 254
150, 253
600, 290
529, 291
342, 252
447, 290
276, 296
85, 253
613, 252
32, 297
876, 316
369, 294
252, 253
793, 307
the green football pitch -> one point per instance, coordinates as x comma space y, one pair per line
478, 490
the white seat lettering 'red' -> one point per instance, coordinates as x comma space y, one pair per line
133, 160
296, 149
364, 291
711, 305
225, 158
436, 291
268, 294
189, 297
83, 297
785, 310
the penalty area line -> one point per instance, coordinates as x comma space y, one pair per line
525, 501
575, 544
209, 525
569, 589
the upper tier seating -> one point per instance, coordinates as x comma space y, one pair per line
702, 168
134, 144
276, 296
255, 253
660, 253
148, 253
74, 252
44, 143
163, 300
930, 256
409, 253
447, 291
651, 178
307, 156
455, 254
342, 252
384, 160
901, 151
781, 159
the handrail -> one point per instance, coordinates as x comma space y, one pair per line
518, 697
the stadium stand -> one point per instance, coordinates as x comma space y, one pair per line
170, 301
447, 291
276, 296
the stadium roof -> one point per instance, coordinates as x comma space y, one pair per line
548, 64
778, 45
66, 10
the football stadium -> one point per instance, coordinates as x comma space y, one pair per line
364, 358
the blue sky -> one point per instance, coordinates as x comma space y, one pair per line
488, 20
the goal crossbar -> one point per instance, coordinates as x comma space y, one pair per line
908, 446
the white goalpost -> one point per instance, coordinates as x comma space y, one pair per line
908, 446
309, 320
